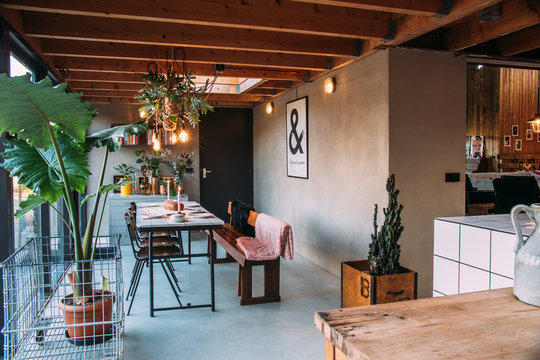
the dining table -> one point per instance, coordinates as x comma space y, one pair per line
153, 217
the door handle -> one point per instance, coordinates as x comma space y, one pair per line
204, 172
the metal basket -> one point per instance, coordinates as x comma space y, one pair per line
35, 281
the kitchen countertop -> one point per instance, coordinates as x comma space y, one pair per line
500, 222
481, 325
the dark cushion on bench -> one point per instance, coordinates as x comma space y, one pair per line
239, 217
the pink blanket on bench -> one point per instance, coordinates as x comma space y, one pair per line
273, 238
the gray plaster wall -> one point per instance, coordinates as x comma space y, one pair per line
330, 213
396, 111
123, 114
428, 102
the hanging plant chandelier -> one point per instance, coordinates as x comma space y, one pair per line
171, 98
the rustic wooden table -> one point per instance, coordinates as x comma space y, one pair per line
483, 325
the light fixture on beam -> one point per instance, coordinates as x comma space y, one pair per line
329, 85
535, 121
269, 108
183, 136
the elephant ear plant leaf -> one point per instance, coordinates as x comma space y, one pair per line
48, 153
384, 250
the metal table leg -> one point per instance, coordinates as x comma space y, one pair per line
189, 246
212, 288
151, 264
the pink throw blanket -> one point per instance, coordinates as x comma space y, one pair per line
273, 238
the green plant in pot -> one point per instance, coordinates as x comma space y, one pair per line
380, 278
150, 163
127, 171
48, 154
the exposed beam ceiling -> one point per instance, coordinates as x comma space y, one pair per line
103, 47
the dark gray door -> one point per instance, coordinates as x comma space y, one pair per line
226, 159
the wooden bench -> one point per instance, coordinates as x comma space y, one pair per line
226, 237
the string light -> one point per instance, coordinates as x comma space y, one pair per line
183, 136
142, 114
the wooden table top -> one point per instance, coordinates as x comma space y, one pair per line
153, 217
483, 325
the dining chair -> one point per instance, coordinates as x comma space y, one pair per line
161, 254
133, 209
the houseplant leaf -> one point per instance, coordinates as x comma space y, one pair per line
30, 203
111, 137
39, 170
34, 106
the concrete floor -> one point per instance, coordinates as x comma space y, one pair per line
281, 330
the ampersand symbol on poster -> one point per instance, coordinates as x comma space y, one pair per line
293, 133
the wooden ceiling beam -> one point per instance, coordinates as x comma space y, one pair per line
104, 77
416, 7
127, 100
142, 32
409, 27
520, 41
76, 85
210, 97
517, 15
107, 50
287, 16
135, 66
268, 92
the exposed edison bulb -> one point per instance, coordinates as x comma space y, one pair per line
269, 108
329, 85
142, 114
156, 145
183, 136
174, 138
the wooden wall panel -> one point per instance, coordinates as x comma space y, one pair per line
518, 103
483, 106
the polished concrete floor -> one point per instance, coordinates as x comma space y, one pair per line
281, 330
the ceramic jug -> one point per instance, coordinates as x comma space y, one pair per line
527, 262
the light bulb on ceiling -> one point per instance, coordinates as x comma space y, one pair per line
269, 108
156, 145
183, 136
329, 85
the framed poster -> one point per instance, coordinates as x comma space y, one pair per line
515, 130
297, 138
518, 145
529, 134
507, 140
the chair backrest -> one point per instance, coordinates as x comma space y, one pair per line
511, 191
132, 231
251, 218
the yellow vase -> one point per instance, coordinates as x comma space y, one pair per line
126, 189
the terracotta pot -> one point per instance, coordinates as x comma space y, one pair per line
155, 186
126, 189
99, 311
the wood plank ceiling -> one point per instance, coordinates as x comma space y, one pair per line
102, 47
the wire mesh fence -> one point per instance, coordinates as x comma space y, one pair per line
37, 293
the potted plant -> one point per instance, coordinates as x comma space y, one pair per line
127, 172
150, 164
48, 155
173, 97
180, 166
380, 278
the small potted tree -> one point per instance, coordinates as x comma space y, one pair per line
380, 278
48, 155
127, 171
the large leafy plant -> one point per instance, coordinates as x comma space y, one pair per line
173, 97
48, 154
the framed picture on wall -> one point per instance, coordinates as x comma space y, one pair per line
538, 137
515, 130
518, 145
507, 140
116, 179
297, 138
529, 134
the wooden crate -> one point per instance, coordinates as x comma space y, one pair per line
359, 288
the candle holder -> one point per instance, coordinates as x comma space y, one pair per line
178, 217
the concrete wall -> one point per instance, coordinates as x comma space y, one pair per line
400, 111
331, 212
428, 101
123, 114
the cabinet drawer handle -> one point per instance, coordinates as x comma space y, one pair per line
395, 292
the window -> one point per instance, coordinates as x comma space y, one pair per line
28, 225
